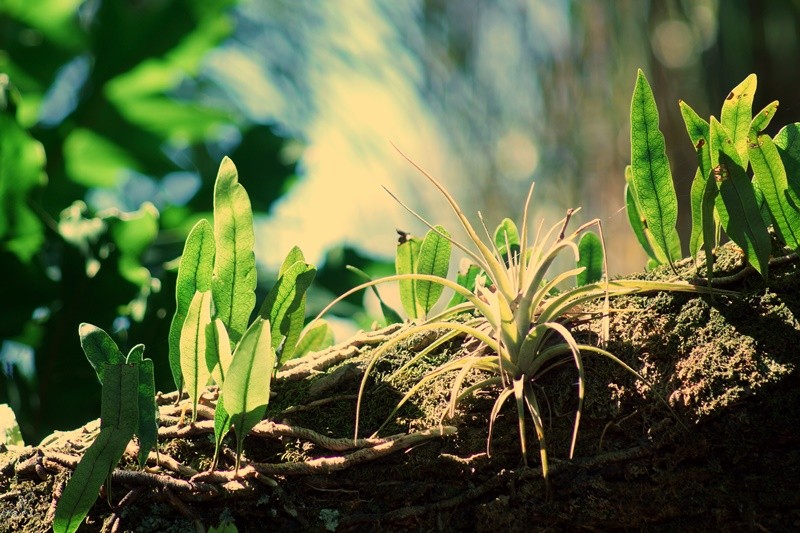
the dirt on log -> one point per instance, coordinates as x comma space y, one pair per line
709, 444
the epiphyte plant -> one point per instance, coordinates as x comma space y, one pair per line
723, 194
211, 340
520, 316
212, 337
128, 408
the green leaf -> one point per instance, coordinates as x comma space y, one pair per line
218, 350
434, 259
770, 176
247, 385
635, 218
467, 272
737, 113
147, 428
282, 304
788, 143
93, 160
736, 203
703, 191
762, 119
591, 257
507, 236
118, 421
22, 163
650, 172
406, 263
315, 339
234, 281
222, 425
99, 348
194, 275
194, 347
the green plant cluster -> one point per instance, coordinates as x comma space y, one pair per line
746, 184
212, 340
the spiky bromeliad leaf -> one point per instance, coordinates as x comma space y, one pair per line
194, 347
770, 175
434, 259
736, 204
651, 174
234, 280
405, 262
591, 258
194, 274
247, 385
737, 113
118, 421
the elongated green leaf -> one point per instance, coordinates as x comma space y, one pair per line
703, 191
296, 318
194, 274
406, 263
118, 421
434, 259
147, 428
788, 143
770, 176
467, 272
222, 425
247, 385
650, 172
635, 218
736, 203
762, 119
315, 339
218, 350
507, 236
194, 347
234, 280
99, 348
591, 257
282, 304
737, 113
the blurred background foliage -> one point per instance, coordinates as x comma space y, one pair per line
114, 115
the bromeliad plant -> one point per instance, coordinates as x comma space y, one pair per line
521, 317
723, 194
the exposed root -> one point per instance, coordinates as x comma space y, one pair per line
326, 465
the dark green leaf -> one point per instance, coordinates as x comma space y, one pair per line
736, 203
591, 257
770, 176
99, 348
118, 421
